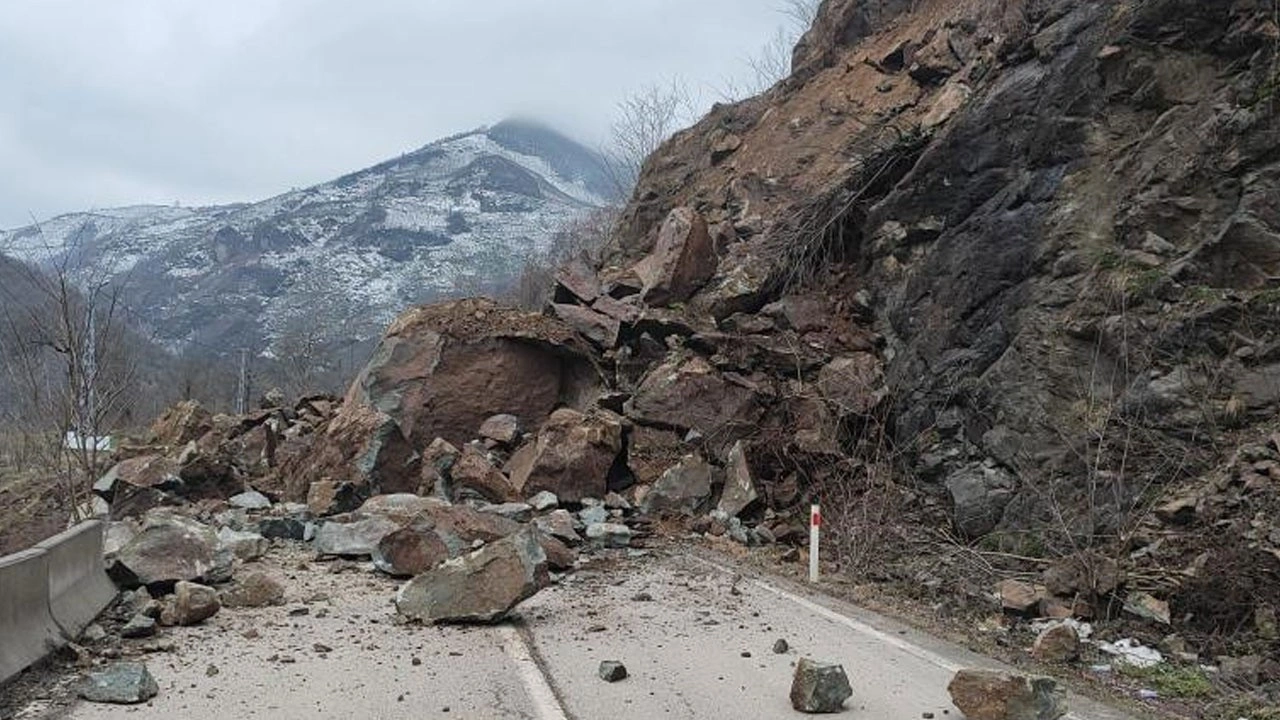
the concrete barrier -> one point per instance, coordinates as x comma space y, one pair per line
79, 588
27, 629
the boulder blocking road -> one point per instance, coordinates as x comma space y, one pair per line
697, 640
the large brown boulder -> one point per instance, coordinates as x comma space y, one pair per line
180, 424
481, 587
690, 394
682, 261
441, 370
993, 695
363, 453
191, 604
571, 456
473, 471
411, 551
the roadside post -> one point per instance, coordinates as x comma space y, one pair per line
815, 525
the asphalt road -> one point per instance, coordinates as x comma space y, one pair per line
696, 638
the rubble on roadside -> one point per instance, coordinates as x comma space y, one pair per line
994, 695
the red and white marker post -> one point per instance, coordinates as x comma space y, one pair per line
815, 525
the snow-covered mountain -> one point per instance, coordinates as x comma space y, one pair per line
342, 258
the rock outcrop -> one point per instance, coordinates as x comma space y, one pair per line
963, 239
1025, 248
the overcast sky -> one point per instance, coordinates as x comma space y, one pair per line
115, 102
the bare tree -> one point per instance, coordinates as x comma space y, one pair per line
69, 357
772, 62
645, 120
199, 373
800, 15
583, 239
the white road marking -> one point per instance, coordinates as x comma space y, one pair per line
540, 693
855, 625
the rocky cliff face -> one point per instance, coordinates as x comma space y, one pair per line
1057, 219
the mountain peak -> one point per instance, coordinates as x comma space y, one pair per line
458, 215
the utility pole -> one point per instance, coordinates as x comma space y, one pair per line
242, 392
88, 425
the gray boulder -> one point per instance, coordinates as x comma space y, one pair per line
544, 501
739, 488
139, 626
172, 547
250, 500
684, 489
244, 545
593, 514
520, 512
819, 687
478, 588
559, 524
980, 493
614, 535
357, 538
124, 683
254, 591
285, 528
612, 671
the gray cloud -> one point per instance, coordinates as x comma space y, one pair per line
130, 101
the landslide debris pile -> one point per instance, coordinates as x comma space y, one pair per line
1022, 259
999, 277
206, 494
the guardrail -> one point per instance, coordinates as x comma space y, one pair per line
49, 595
